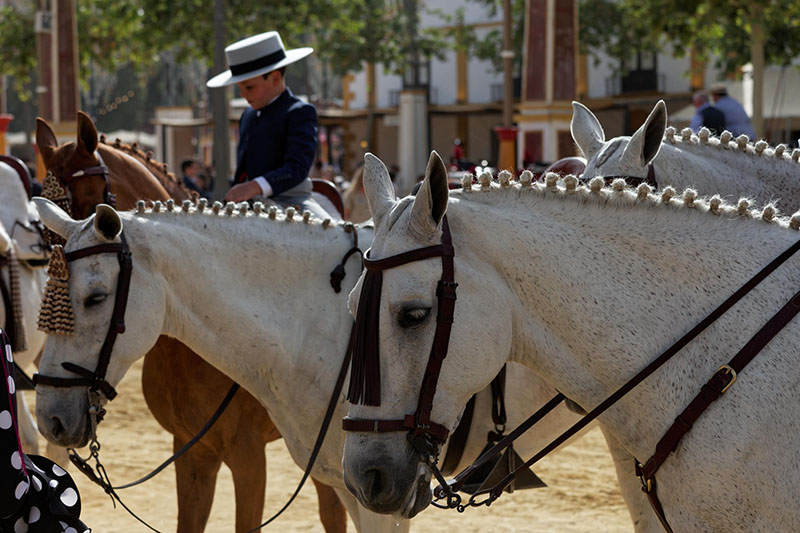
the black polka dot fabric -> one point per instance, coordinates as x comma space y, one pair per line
36, 495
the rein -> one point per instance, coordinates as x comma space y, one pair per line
711, 391
337, 275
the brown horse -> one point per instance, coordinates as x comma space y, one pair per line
181, 389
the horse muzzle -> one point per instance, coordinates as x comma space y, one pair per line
386, 482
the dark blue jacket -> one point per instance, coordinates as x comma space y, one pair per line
278, 141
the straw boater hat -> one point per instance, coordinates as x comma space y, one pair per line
255, 56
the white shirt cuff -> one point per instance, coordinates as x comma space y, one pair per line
266, 188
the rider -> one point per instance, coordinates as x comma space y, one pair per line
278, 131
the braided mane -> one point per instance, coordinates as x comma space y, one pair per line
158, 169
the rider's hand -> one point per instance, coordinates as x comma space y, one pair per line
243, 191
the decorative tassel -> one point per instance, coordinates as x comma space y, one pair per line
19, 338
53, 190
365, 374
56, 316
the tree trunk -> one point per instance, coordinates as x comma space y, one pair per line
219, 108
757, 59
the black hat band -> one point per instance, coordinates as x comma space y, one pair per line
261, 62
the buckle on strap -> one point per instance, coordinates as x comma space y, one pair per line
732, 374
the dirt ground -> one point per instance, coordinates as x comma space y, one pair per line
582, 495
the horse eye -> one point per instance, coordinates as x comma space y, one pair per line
408, 318
95, 299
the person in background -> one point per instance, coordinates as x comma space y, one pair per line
736, 119
190, 169
356, 208
706, 115
277, 132
36, 495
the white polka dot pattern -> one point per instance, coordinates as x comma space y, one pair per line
34, 515
20, 526
5, 419
57, 470
21, 490
9, 358
16, 461
69, 497
12, 388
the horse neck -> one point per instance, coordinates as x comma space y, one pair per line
269, 278
133, 177
614, 272
729, 171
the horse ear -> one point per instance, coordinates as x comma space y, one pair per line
107, 224
45, 139
430, 203
586, 130
646, 141
55, 218
87, 133
378, 187
5, 240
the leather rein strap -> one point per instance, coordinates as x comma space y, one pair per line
635, 181
96, 380
422, 430
712, 390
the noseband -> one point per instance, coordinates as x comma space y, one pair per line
425, 435
97, 380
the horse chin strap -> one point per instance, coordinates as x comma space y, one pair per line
99, 389
425, 436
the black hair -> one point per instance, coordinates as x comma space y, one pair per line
186, 164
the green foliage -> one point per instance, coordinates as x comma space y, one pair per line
719, 30
17, 49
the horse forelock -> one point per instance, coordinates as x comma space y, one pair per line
610, 149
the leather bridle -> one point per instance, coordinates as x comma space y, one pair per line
425, 435
96, 380
100, 169
635, 181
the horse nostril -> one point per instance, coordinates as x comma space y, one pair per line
56, 427
374, 481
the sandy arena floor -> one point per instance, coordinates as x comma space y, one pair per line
582, 495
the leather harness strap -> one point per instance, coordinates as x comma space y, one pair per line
710, 392
635, 181
419, 425
97, 170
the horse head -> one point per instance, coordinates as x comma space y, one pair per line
622, 156
19, 217
90, 296
386, 471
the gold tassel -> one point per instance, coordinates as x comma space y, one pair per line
56, 316
19, 340
53, 190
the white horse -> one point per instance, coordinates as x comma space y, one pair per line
720, 165
18, 234
259, 308
586, 285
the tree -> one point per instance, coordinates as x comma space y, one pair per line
731, 33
